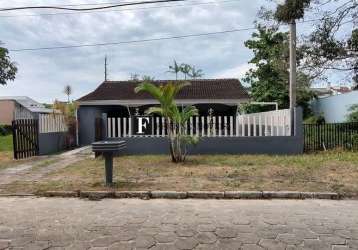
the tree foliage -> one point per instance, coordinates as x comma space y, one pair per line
291, 10
332, 44
269, 79
8, 68
353, 113
68, 91
189, 71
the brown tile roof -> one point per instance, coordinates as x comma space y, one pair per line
199, 89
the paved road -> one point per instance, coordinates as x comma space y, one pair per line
44, 223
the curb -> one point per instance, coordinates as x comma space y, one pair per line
146, 195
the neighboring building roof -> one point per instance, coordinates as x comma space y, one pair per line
330, 91
202, 89
28, 103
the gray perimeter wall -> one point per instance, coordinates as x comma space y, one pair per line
220, 145
50, 143
207, 145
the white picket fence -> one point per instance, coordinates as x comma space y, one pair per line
272, 123
52, 123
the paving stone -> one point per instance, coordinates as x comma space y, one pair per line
122, 246
290, 239
4, 244
143, 241
206, 237
206, 228
185, 232
333, 240
126, 235
206, 247
272, 244
186, 243
315, 244
353, 244
226, 232
164, 246
165, 237
248, 238
228, 244
339, 247
251, 247
105, 241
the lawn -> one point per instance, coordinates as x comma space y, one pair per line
6, 143
327, 171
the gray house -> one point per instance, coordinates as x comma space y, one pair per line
117, 99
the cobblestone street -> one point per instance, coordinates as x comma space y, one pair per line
57, 223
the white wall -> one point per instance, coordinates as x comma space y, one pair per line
335, 108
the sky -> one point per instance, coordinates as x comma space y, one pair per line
43, 74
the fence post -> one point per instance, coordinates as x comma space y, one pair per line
104, 126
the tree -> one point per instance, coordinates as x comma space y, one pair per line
147, 78
330, 46
175, 68
68, 92
269, 78
185, 69
174, 117
353, 115
196, 73
8, 68
134, 77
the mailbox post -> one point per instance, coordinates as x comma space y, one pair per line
108, 149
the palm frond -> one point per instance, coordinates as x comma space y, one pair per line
153, 90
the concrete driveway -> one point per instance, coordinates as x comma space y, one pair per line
59, 223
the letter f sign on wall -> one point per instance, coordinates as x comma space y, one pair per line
142, 125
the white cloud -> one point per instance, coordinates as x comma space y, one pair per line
235, 72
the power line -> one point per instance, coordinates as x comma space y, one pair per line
88, 9
121, 10
146, 40
134, 41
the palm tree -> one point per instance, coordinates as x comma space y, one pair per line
185, 69
195, 73
68, 92
175, 118
175, 68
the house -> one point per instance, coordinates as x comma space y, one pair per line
20, 107
118, 99
335, 108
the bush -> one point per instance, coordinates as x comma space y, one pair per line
315, 120
5, 130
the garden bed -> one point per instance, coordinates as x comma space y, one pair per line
323, 172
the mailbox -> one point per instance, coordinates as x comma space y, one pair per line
108, 149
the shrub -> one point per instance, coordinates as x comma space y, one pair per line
5, 130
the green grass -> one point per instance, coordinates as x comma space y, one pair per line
6, 143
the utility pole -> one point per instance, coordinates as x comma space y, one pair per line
293, 66
105, 68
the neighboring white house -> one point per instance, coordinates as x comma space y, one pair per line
20, 107
335, 108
